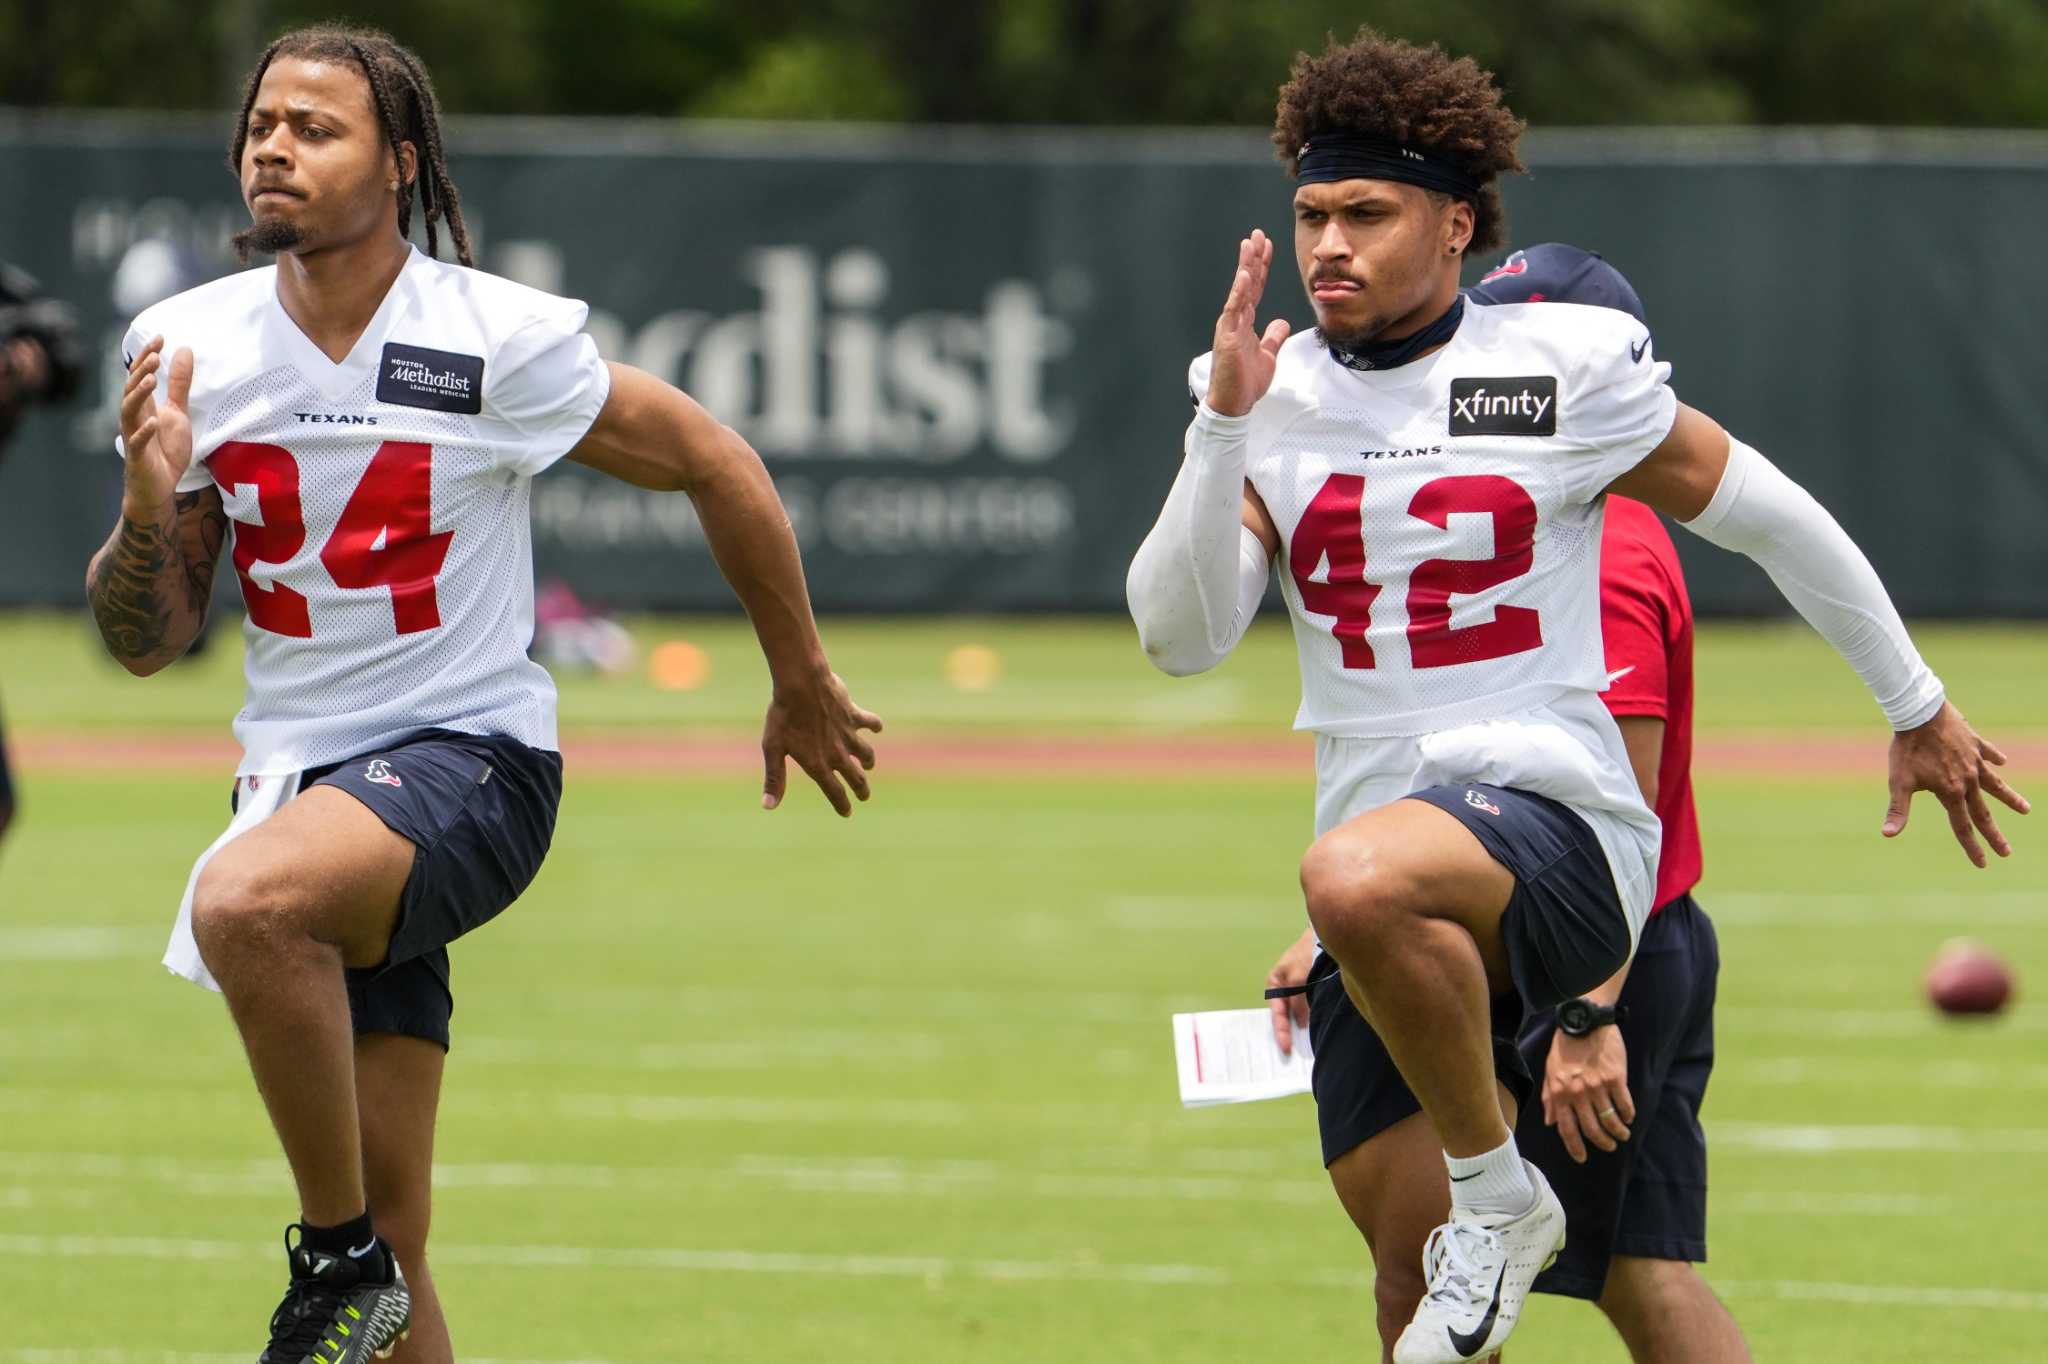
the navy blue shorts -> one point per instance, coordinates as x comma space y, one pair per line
479, 811
1648, 1197
1565, 933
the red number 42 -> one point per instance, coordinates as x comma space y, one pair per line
385, 537
1333, 528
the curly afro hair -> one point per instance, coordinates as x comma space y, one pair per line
1421, 97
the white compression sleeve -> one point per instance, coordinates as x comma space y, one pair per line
1197, 580
1760, 512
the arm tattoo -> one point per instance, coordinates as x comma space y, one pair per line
210, 530
127, 592
150, 586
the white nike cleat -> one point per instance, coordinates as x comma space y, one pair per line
1480, 1269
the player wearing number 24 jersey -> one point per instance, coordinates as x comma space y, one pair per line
1430, 480
380, 501
369, 419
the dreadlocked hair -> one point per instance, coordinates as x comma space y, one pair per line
407, 111
1420, 97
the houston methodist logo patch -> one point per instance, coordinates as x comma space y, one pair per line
380, 772
1525, 405
438, 380
1479, 802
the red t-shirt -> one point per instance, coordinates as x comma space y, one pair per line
1646, 623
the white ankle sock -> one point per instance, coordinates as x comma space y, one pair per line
1493, 1183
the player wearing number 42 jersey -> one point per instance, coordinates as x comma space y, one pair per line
1430, 478
370, 420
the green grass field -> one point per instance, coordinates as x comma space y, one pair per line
732, 1086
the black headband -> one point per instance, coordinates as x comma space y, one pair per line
1348, 156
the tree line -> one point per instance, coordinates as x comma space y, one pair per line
1167, 62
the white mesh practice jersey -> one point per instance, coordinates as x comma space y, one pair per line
380, 504
1440, 522
1440, 556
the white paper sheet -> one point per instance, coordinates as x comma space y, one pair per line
1229, 1056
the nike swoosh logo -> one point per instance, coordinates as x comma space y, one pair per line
368, 1246
1619, 673
1468, 1346
1635, 353
1460, 1179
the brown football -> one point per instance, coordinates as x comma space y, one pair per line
1966, 978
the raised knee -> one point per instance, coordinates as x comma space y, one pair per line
238, 905
1354, 897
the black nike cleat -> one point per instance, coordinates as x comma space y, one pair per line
335, 1314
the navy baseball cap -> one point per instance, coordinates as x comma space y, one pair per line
1557, 273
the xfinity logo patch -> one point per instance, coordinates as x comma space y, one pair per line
439, 380
1521, 406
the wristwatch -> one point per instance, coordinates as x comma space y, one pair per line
1577, 1017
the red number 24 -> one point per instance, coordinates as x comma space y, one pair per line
385, 537
1333, 527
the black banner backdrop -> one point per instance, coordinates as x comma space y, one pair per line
963, 354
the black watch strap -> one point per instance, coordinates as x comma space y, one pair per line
1578, 1017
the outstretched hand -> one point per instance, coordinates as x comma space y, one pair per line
1947, 757
156, 436
1241, 367
818, 726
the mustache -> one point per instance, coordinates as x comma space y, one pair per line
1322, 273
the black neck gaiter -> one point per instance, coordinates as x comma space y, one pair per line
1392, 354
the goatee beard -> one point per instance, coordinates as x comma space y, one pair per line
1351, 338
270, 236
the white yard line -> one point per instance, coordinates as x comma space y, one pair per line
838, 1049
932, 1269
681, 1259
77, 942
1887, 1295
1833, 908
565, 1105
873, 1183
1820, 1139
1092, 1174
882, 1177
1838, 1205
1865, 1024
1952, 1074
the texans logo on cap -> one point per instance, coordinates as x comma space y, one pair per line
1513, 265
1557, 273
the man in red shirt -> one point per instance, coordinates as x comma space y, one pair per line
1624, 1068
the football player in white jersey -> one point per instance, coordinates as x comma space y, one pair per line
1430, 478
371, 420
